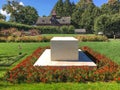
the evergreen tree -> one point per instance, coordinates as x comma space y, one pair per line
112, 7
88, 16
84, 15
67, 8
59, 8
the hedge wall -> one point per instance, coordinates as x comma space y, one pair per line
43, 29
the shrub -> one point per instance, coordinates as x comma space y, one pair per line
42, 29
91, 38
3, 39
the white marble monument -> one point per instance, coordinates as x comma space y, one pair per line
64, 48
64, 52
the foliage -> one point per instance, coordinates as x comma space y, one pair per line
108, 24
12, 7
111, 7
27, 15
106, 70
91, 38
42, 29
2, 17
59, 8
84, 15
21, 14
40, 38
65, 8
88, 16
6, 25
101, 23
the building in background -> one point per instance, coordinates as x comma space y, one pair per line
53, 20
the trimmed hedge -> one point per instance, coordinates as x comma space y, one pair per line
92, 38
43, 29
41, 38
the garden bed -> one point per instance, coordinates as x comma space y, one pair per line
6, 60
106, 70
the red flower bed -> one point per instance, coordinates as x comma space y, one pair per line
107, 70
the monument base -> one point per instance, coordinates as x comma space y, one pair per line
45, 60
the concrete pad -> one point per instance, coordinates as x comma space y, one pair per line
45, 60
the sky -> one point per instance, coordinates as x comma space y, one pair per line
44, 7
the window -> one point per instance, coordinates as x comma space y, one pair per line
43, 20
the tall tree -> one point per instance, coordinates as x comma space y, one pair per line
88, 16
84, 15
109, 24
112, 7
19, 13
67, 8
59, 8
101, 23
12, 7
27, 15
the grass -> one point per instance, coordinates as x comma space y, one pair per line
110, 49
12, 49
64, 35
62, 86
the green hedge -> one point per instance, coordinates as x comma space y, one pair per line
43, 29
41, 38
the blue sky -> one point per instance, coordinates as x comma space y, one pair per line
45, 6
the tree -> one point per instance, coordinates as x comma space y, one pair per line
78, 11
21, 14
67, 8
114, 25
112, 7
12, 7
59, 8
101, 23
27, 15
84, 15
88, 16
2, 17
109, 24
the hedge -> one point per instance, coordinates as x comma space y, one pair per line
41, 38
43, 29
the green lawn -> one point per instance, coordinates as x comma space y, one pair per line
12, 49
64, 35
111, 49
61, 86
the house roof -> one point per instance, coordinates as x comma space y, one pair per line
44, 20
53, 20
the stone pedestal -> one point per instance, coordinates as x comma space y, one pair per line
64, 48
